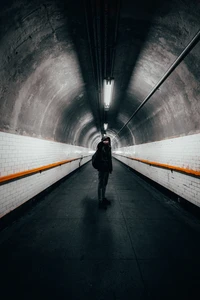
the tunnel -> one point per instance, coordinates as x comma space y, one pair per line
57, 59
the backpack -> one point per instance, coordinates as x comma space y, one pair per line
95, 160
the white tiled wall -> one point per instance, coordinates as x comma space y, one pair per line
182, 152
20, 153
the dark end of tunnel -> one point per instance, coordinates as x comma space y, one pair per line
180, 202
26, 207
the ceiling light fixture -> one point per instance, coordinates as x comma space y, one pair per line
108, 89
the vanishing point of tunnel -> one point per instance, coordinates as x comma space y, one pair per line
57, 60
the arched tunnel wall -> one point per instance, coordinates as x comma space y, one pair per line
50, 108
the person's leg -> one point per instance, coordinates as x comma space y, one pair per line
105, 181
106, 176
100, 188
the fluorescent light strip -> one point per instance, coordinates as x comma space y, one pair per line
108, 88
105, 126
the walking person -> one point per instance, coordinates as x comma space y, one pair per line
104, 169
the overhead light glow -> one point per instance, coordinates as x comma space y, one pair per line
105, 126
117, 152
108, 88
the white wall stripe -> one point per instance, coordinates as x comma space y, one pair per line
21, 153
183, 152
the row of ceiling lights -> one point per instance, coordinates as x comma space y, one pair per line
102, 19
107, 96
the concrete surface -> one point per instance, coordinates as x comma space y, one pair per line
53, 63
144, 246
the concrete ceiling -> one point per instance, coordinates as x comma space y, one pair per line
55, 55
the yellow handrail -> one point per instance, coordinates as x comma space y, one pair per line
165, 166
36, 170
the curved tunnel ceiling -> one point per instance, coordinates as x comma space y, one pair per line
55, 55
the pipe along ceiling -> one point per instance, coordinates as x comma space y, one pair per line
56, 54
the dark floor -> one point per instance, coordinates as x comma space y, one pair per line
142, 247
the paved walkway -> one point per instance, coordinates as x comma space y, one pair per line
142, 247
